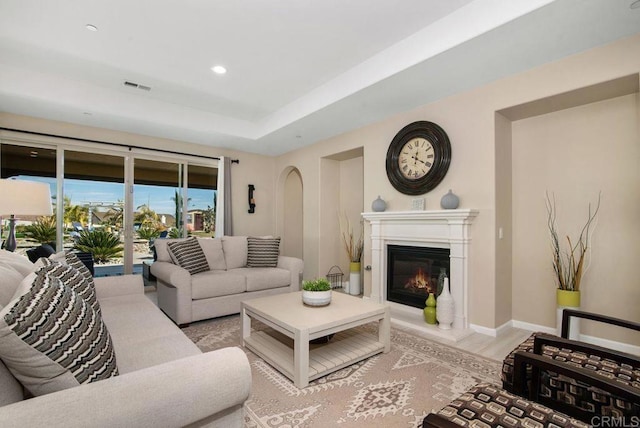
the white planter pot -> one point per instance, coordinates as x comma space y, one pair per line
316, 298
354, 283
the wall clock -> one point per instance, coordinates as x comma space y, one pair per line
418, 158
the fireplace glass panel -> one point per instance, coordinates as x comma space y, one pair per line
413, 272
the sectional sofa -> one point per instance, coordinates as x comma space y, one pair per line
164, 379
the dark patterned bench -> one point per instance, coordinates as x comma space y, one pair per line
487, 405
613, 365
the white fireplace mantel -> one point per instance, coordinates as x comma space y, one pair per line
437, 228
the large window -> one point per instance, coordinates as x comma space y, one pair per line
113, 204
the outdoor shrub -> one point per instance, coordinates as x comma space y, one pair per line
102, 244
148, 232
42, 230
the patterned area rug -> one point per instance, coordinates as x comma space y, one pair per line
397, 389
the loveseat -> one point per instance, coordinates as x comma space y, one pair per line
235, 270
164, 380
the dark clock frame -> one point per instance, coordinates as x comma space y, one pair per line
441, 159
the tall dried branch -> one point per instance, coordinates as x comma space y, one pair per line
569, 264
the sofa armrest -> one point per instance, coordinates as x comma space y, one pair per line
110, 286
177, 393
295, 266
171, 274
173, 284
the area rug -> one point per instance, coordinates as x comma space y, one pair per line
397, 389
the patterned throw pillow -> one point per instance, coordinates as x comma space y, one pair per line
188, 255
75, 280
263, 252
51, 339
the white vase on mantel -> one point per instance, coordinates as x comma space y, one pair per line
445, 307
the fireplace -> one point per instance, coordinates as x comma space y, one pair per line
440, 229
413, 273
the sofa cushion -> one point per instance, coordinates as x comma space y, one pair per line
74, 279
11, 391
51, 339
262, 252
188, 254
217, 283
212, 248
9, 281
162, 251
16, 261
235, 251
142, 335
265, 278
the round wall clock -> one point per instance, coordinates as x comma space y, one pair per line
418, 158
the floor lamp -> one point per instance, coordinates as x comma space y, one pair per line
26, 198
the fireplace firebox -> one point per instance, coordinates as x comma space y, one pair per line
413, 272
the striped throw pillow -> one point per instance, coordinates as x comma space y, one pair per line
263, 252
188, 254
75, 280
51, 339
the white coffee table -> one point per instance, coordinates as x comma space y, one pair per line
286, 314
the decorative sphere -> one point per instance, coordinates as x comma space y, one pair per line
379, 205
449, 201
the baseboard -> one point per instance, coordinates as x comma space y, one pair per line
533, 327
493, 332
611, 344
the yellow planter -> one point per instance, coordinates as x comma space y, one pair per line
568, 298
354, 267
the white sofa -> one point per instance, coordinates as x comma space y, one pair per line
219, 291
164, 380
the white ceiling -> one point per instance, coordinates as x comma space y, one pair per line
299, 71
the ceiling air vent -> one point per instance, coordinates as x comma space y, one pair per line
136, 85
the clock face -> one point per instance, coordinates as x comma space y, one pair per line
416, 158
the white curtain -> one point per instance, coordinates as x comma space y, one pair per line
224, 225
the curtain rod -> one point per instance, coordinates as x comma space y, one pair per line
128, 146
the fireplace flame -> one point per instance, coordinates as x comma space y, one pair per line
419, 281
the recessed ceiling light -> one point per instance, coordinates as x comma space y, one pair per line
91, 27
635, 4
86, 113
218, 69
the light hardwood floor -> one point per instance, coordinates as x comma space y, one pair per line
495, 348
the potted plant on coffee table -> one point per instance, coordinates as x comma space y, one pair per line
316, 292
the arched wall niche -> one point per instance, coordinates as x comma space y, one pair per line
290, 212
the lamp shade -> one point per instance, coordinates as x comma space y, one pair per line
19, 197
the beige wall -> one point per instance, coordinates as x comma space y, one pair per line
252, 169
574, 154
480, 175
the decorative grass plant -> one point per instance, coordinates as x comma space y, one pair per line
354, 246
569, 263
